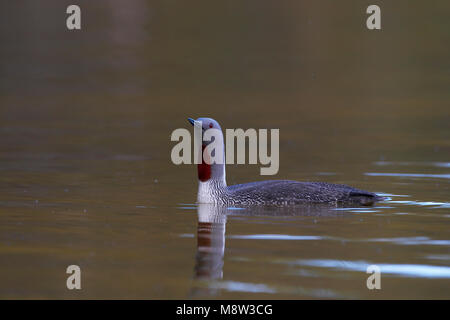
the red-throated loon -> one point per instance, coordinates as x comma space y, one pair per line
213, 186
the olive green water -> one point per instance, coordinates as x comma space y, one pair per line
85, 170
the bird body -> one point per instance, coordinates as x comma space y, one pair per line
282, 192
213, 187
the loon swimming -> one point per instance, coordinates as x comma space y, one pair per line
213, 186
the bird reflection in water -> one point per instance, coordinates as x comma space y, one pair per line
210, 241
212, 219
210, 247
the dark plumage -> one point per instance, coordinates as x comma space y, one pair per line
287, 192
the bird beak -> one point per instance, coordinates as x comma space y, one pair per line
192, 121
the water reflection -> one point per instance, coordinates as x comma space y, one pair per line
211, 234
209, 277
210, 247
212, 225
210, 242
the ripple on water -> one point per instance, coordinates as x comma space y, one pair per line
408, 175
236, 286
431, 204
242, 287
275, 237
286, 237
412, 241
407, 163
402, 270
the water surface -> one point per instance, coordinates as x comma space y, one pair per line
85, 170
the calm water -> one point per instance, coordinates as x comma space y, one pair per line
85, 170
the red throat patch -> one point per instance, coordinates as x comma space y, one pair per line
204, 169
